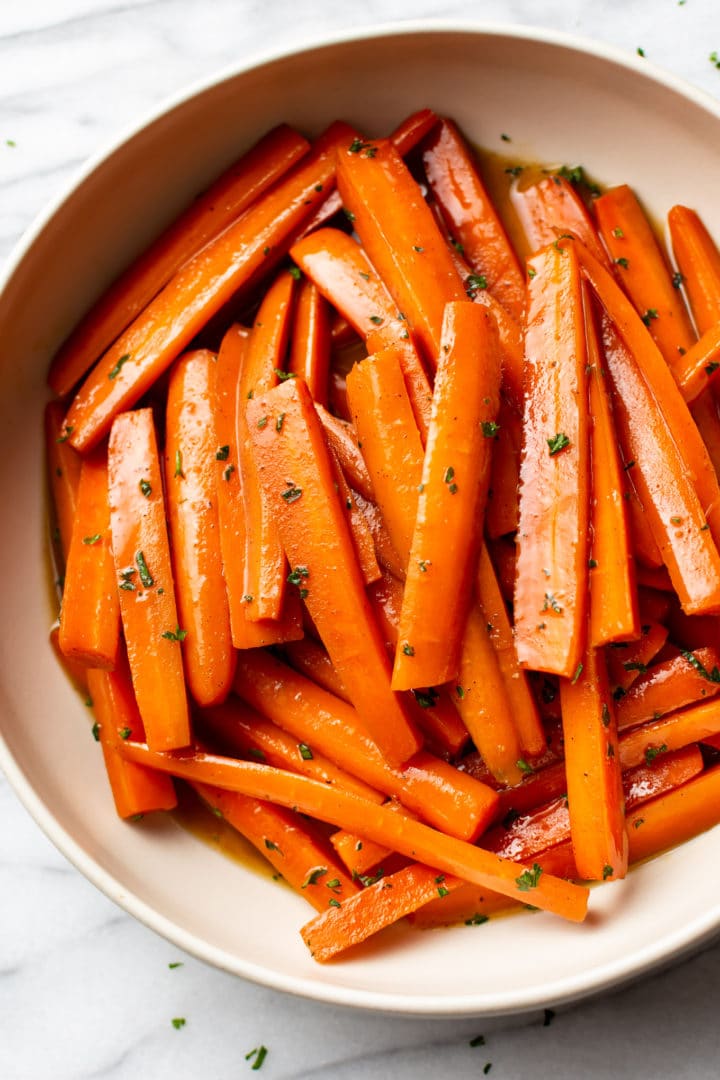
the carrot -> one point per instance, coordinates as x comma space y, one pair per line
294, 846
551, 208
501, 516
296, 475
654, 606
698, 260
451, 505
676, 816
391, 445
693, 724
342, 439
135, 788
360, 856
309, 658
386, 554
552, 539
198, 291
143, 568
358, 526
613, 592
444, 796
63, 467
401, 238
592, 766
75, 671
627, 661
471, 217
90, 615
348, 811
646, 550
469, 905
670, 685
310, 343
699, 364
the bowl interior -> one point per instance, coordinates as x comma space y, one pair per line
559, 103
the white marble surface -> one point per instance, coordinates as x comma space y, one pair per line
84, 990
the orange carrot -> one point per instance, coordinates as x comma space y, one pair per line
670, 685
342, 439
310, 344
348, 811
471, 217
360, 856
63, 466
90, 615
553, 207
698, 259
552, 539
311, 659
676, 816
694, 724
296, 475
627, 661
592, 766
198, 291
451, 505
401, 238
384, 550
444, 796
699, 364
359, 528
147, 596
501, 516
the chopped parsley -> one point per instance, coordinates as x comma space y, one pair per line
284, 375
551, 604
175, 635
145, 575
115, 371
222, 453
92, 539
607, 872
653, 751
475, 283
490, 429
314, 875
96, 731
711, 676
178, 1022
295, 272
145, 488
650, 314
292, 494
557, 443
175, 964
259, 1054
279, 422
305, 752
408, 649
125, 733
272, 846
426, 699
529, 878
178, 464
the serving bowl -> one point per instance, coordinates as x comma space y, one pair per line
560, 101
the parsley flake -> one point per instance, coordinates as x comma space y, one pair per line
529, 878
115, 371
557, 443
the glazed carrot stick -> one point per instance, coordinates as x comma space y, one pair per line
310, 341
342, 439
654, 606
401, 238
391, 445
552, 207
469, 905
296, 475
197, 291
501, 516
444, 796
191, 449
644, 274
592, 766
90, 614
309, 658
471, 217
135, 788
360, 856
265, 566
143, 571
241, 730
417, 383
348, 811
698, 259
386, 554
554, 498
292, 845
627, 661
359, 528
675, 511
704, 411
374, 908
646, 550
676, 816
63, 467
525, 716
451, 505
693, 724
699, 364
613, 592
206, 217
668, 686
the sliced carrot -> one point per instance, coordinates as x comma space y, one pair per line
359, 528
360, 856
197, 292
451, 505
63, 466
552, 207
646, 550
627, 661
401, 238
310, 342
469, 905
670, 685
206, 217
440, 793
699, 364
471, 217
705, 412
348, 811
552, 570
342, 439
90, 615
309, 658
676, 816
698, 259
296, 475
694, 724
144, 574
386, 554
501, 517
592, 766
654, 605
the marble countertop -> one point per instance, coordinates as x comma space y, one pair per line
85, 991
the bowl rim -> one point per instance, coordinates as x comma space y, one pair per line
635, 964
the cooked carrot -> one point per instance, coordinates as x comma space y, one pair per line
444, 796
296, 475
417, 383
698, 259
523, 708
342, 438
644, 273
386, 554
451, 505
294, 846
646, 550
613, 592
699, 364
309, 658
670, 685
592, 766
655, 579
693, 724
374, 908
537, 788
391, 445
551, 580
501, 517
704, 411
337, 395
401, 238
265, 565
135, 788
241, 730
676, 816
206, 217
197, 291
144, 574
359, 528
627, 661
75, 671
348, 811
310, 341
360, 856
63, 466
654, 606
471, 217
552, 207
90, 614
469, 905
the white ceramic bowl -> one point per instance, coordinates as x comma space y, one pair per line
561, 101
